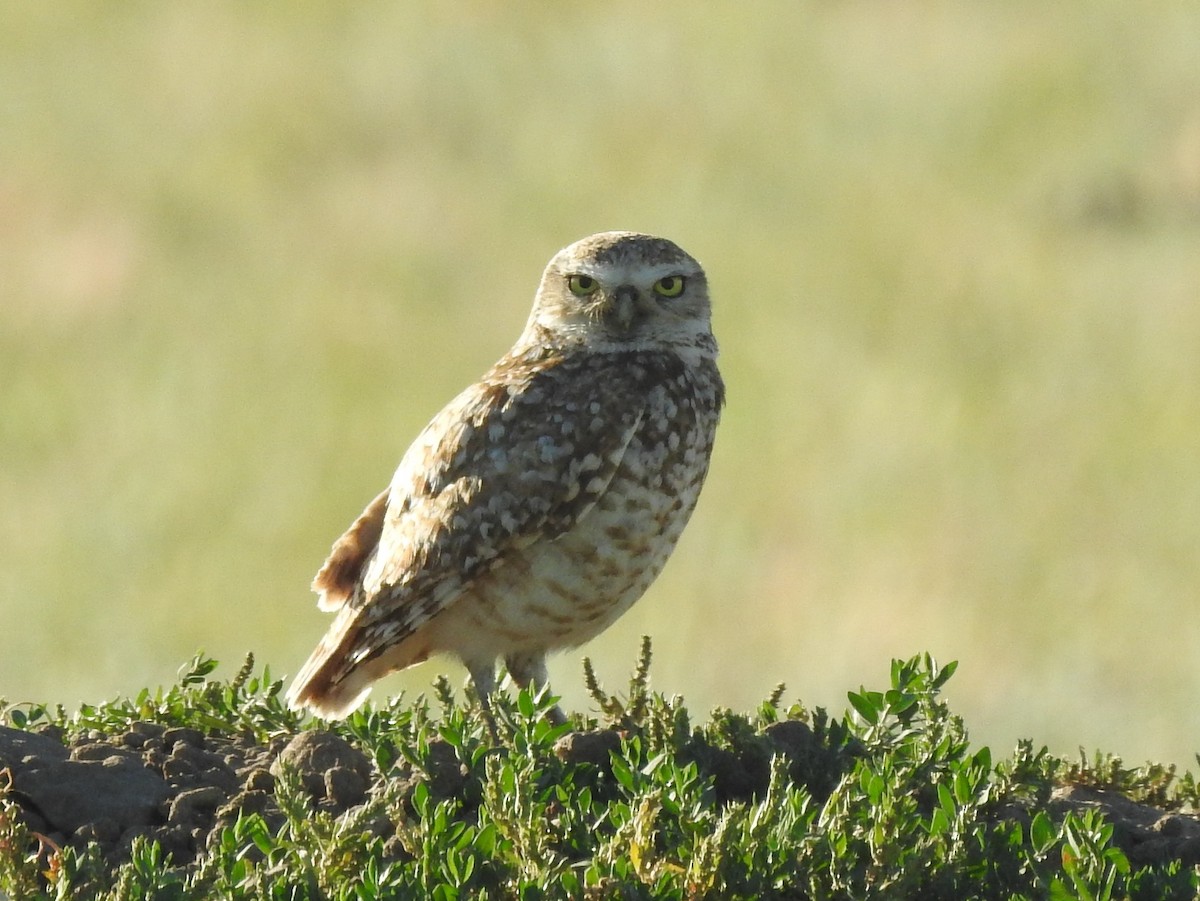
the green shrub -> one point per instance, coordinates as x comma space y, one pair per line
888, 801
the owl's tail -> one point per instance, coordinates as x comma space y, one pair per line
331, 684
324, 685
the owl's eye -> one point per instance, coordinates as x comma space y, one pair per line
671, 286
582, 285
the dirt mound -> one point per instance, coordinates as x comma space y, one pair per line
173, 785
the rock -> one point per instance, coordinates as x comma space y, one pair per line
149, 730
189, 764
259, 780
170, 785
249, 801
313, 754
103, 830
100, 751
810, 763
72, 793
344, 787
739, 776
1144, 833
793, 738
178, 771
179, 734
447, 774
595, 747
18, 747
193, 805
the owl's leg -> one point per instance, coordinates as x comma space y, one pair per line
530, 669
483, 677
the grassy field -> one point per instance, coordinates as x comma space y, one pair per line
245, 254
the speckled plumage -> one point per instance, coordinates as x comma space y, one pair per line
543, 500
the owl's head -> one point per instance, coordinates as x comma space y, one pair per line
623, 291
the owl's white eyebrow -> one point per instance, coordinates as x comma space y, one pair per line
631, 274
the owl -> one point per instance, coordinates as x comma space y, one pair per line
540, 504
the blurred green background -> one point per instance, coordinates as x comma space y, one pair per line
247, 251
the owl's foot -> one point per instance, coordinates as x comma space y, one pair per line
528, 671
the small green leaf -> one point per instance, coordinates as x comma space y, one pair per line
942, 676
525, 704
622, 773
939, 823
1041, 832
946, 799
867, 704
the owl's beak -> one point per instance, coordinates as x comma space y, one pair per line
625, 306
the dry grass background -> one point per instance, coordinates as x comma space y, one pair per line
246, 252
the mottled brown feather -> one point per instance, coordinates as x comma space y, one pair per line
336, 581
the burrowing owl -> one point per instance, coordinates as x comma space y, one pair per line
544, 500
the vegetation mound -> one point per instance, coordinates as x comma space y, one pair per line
214, 789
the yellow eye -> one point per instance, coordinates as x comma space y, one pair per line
671, 286
582, 285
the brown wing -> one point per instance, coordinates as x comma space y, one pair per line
518, 458
342, 571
